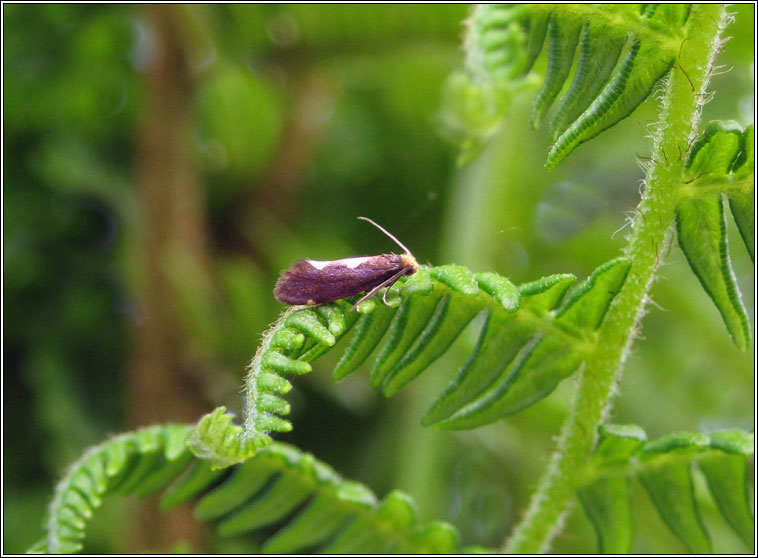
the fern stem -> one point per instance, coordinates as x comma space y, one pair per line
682, 103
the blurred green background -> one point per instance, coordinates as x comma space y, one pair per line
162, 164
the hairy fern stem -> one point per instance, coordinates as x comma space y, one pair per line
252, 416
678, 125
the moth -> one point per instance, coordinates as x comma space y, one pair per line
312, 282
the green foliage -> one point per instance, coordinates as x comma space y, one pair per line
664, 467
531, 337
721, 162
623, 51
320, 509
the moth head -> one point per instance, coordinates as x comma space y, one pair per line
410, 262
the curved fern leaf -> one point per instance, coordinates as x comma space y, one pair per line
664, 467
563, 40
598, 55
141, 462
504, 40
606, 504
528, 344
312, 507
721, 161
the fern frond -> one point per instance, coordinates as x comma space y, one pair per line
545, 343
503, 41
529, 343
664, 467
313, 507
720, 163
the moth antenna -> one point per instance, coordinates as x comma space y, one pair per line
385, 231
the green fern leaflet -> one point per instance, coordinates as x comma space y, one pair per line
720, 163
664, 467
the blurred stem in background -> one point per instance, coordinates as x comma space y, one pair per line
165, 377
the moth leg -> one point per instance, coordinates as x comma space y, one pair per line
384, 295
388, 283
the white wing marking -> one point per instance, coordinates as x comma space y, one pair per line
352, 263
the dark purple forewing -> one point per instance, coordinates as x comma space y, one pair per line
304, 284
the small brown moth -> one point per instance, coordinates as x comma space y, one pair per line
315, 282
